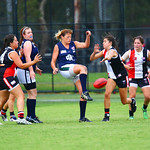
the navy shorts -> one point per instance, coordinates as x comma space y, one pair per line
8, 83
122, 82
144, 82
30, 86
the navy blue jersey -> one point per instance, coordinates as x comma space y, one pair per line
66, 56
34, 52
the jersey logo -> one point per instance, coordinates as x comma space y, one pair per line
144, 59
63, 51
73, 48
134, 58
13, 82
69, 57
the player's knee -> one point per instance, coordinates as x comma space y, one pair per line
84, 68
107, 94
124, 103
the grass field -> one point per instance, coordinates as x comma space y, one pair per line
62, 131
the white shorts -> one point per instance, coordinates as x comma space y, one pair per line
24, 76
67, 72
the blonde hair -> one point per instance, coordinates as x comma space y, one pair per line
62, 33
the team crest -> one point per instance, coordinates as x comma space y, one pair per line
134, 58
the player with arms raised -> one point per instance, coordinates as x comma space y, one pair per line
117, 74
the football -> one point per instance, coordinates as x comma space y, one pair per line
99, 83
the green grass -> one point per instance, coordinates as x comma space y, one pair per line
62, 131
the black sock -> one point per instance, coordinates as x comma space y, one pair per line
106, 112
4, 110
145, 106
83, 82
12, 113
32, 105
82, 109
130, 113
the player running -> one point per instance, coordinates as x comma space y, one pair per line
117, 74
138, 73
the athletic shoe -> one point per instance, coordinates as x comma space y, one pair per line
86, 96
4, 117
105, 119
13, 118
1, 123
37, 119
133, 105
33, 120
131, 117
145, 115
23, 121
84, 120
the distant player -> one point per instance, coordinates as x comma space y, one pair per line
138, 73
117, 74
65, 52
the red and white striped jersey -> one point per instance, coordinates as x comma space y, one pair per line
137, 60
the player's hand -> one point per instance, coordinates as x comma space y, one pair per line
96, 48
2, 65
39, 71
88, 33
106, 58
55, 71
37, 58
128, 67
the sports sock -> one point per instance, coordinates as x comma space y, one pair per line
130, 113
3, 112
31, 107
21, 114
82, 109
145, 106
106, 112
12, 113
83, 78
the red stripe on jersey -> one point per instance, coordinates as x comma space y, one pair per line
10, 71
105, 51
132, 64
7, 83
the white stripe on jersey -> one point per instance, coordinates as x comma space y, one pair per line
109, 68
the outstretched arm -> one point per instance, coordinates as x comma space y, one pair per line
85, 44
96, 53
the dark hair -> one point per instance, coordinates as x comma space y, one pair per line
7, 40
112, 39
139, 38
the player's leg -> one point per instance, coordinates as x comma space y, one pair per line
11, 102
18, 93
82, 103
146, 93
82, 71
110, 86
4, 94
132, 94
